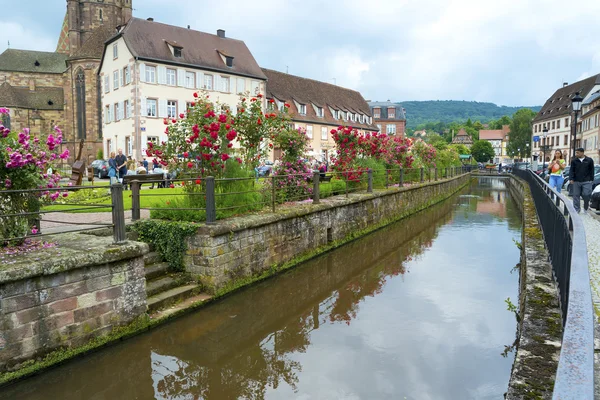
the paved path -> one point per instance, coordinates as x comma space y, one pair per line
60, 222
591, 223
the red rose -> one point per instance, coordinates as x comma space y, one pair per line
186, 154
259, 96
259, 122
181, 115
190, 165
198, 181
174, 120
193, 104
166, 122
195, 94
171, 186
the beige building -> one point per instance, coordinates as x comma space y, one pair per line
589, 128
318, 107
151, 70
498, 139
556, 116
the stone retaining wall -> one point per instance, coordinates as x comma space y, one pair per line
64, 296
540, 325
240, 247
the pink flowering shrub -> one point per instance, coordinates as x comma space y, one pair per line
293, 177
24, 161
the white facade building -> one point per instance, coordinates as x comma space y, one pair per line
150, 72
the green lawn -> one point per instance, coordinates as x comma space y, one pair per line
148, 199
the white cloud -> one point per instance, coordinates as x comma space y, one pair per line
21, 37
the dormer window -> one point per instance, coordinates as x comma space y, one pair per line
302, 109
177, 51
376, 112
336, 114
229, 61
320, 112
391, 113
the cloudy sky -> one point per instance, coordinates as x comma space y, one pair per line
510, 52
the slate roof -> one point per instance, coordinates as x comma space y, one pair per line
147, 40
24, 61
11, 96
286, 87
559, 104
384, 105
93, 47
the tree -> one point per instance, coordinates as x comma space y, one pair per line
498, 124
520, 133
437, 141
482, 151
460, 148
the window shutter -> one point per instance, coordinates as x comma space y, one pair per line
142, 72
144, 111
128, 74
106, 84
162, 108
181, 77
121, 110
129, 109
199, 80
120, 77
162, 75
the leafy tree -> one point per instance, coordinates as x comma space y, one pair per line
482, 151
437, 141
499, 123
460, 148
520, 133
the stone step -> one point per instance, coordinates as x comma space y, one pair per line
152, 258
155, 270
164, 283
171, 296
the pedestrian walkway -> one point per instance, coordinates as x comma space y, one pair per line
61, 222
591, 223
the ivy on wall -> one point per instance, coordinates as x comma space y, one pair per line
167, 237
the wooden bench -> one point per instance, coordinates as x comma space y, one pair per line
144, 178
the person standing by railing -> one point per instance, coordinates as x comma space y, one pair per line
112, 168
121, 164
556, 169
581, 176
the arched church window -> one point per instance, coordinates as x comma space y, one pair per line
80, 103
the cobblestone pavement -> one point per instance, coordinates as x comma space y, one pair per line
64, 222
591, 223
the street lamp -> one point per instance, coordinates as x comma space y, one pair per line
576, 100
545, 134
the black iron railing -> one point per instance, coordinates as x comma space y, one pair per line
564, 235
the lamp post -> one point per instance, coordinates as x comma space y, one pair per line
545, 134
576, 101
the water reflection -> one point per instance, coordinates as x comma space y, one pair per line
414, 310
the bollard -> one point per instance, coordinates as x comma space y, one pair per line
401, 183
316, 186
118, 213
370, 181
211, 206
135, 200
422, 175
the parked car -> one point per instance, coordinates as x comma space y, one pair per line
100, 168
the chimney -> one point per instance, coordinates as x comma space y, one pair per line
565, 84
188, 27
31, 85
150, 19
220, 33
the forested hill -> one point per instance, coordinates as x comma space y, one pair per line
421, 112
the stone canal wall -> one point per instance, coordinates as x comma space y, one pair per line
237, 248
65, 296
540, 325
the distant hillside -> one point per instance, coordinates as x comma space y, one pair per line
422, 112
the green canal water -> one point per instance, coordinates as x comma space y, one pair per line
414, 311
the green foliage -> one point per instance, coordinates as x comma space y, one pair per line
520, 134
460, 148
437, 141
499, 123
482, 151
100, 154
448, 158
168, 237
378, 168
421, 113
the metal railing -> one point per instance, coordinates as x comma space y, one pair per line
564, 235
271, 191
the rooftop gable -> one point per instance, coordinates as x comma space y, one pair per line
559, 104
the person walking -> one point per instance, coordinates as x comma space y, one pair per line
556, 168
121, 164
112, 168
581, 175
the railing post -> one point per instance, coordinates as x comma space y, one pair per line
436, 177
387, 178
273, 193
401, 183
135, 200
316, 187
422, 174
211, 206
118, 213
346, 186
446, 173
370, 181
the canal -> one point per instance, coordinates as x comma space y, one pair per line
412, 311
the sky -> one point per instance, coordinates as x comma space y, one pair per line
509, 52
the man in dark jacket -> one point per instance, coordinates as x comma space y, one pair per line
581, 175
